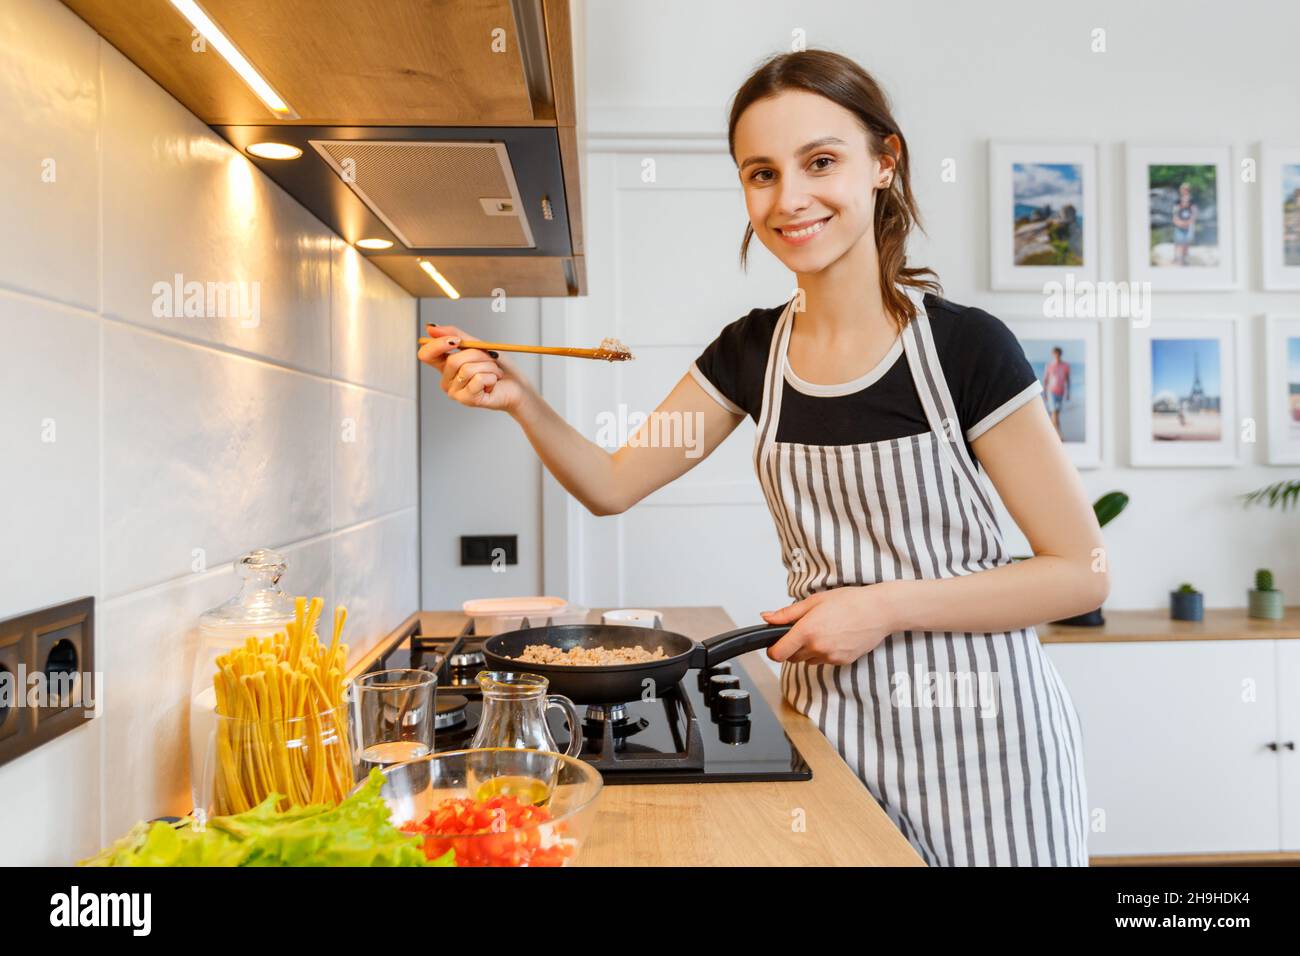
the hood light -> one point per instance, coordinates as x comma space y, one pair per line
274, 151
209, 30
436, 276
374, 243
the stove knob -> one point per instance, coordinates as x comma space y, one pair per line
732, 703
718, 683
702, 684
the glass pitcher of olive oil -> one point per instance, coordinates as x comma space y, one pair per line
514, 716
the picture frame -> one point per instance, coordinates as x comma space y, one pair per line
1173, 249
1185, 377
1279, 217
1282, 388
1077, 419
1042, 214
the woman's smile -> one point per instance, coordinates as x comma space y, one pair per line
798, 233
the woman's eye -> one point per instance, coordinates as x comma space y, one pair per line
764, 175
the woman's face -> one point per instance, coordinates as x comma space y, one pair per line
809, 178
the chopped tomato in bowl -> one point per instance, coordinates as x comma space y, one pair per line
500, 831
495, 806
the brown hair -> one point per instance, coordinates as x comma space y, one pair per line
842, 81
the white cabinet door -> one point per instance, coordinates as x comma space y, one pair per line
1175, 740
1288, 732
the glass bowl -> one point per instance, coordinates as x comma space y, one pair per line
419, 791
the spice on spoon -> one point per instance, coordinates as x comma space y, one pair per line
613, 350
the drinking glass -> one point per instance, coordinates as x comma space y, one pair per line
392, 716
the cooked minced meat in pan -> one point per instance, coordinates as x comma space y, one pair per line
546, 654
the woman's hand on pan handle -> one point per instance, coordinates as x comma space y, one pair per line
471, 376
836, 626
682, 431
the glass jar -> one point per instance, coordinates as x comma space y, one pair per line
304, 759
260, 609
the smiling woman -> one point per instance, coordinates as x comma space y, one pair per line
895, 561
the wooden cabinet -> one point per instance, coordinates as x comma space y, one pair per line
383, 71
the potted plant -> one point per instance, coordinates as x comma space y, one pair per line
1186, 604
1106, 508
1280, 494
1264, 601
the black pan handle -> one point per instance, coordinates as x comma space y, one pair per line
715, 650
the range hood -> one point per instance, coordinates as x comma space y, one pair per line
435, 133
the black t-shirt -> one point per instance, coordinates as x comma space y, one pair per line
982, 361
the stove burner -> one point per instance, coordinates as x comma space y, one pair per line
597, 713
466, 659
449, 711
614, 716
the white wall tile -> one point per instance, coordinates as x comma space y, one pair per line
49, 433
49, 801
372, 324
203, 449
179, 200
373, 437
148, 640
49, 98
375, 576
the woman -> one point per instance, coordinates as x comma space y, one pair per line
912, 643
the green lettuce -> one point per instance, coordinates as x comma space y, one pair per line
356, 832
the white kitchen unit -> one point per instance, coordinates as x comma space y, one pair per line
1288, 733
1185, 744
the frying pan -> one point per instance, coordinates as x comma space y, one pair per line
619, 683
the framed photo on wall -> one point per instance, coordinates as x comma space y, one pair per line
1282, 388
1066, 356
1180, 217
1042, 214
1279, 216
1184, 380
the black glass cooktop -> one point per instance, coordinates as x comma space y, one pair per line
713, 727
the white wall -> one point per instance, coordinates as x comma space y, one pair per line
478, 473
173, 435
959, 75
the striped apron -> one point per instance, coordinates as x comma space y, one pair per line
968, 741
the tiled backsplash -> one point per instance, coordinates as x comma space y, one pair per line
143, 453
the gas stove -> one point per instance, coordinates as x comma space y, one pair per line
712, 727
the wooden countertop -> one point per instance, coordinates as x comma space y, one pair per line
1220, 624
736, 824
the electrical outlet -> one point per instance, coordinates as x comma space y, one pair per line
47, 675
476, 549
10, 657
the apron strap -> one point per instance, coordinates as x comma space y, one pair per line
770, 415
936, 399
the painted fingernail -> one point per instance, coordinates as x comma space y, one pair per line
453, 342
494, 353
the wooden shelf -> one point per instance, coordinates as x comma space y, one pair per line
1280, 858
1220, 624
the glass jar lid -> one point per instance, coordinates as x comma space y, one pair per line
260, 600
